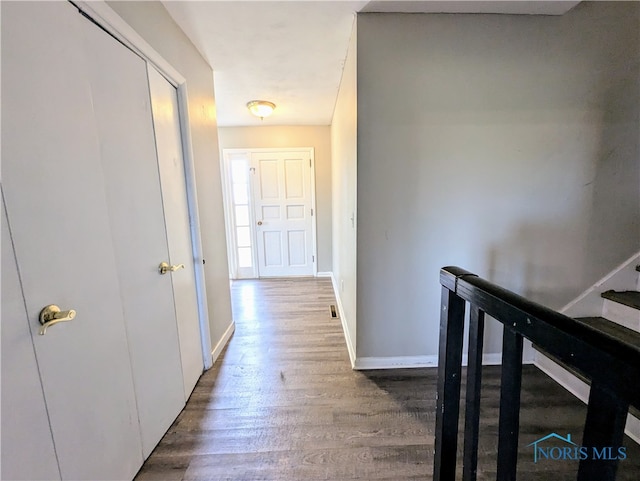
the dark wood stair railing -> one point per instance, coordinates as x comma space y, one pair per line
612, 366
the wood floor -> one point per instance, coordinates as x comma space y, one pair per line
282, 403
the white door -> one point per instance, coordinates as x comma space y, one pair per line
58, 216
283, 206
27, 447
166, 120
122, 110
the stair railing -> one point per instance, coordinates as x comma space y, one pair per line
612, 365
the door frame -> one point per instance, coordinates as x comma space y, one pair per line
111, 22
228, 207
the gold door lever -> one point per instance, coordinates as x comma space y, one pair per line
51, 315
164, 267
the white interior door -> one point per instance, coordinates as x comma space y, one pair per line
58, 215
122, 110
283, 205
27, 446
164, 101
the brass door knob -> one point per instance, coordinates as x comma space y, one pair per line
51, 315
164, 267
259, 222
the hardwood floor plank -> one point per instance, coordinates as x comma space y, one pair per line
283, 404
313, 464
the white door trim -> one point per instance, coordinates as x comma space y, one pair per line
108, 19
228, 205
113, 23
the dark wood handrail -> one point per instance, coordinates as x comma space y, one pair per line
612, 365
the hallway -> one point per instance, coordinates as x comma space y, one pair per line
282, 403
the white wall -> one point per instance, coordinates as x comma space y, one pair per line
316, 136
507, 145
153, 23
343, 188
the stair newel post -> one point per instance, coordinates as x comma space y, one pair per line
449, 372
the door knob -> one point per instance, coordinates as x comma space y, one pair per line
51, 315
164, 267
259, 222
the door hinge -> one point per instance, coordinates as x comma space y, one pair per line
309, 163
312, 212
313, 258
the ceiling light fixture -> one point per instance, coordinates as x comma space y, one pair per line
261, 108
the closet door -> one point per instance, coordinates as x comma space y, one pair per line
58, 215
122, 109
166, 121
27, 446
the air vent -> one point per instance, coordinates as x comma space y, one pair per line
334, 313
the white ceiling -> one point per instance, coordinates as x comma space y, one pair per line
292, 52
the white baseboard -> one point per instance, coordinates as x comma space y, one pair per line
401, 362
397, 362
492, 359
347, 337
223, 341
579, 389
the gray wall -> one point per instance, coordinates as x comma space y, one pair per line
316, 136
152, 21
344, 168
507, 145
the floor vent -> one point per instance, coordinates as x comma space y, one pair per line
334, 313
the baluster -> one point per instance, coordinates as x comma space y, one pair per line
472, 401
449, 370
509, 422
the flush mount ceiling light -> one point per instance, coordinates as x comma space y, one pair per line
261, 108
